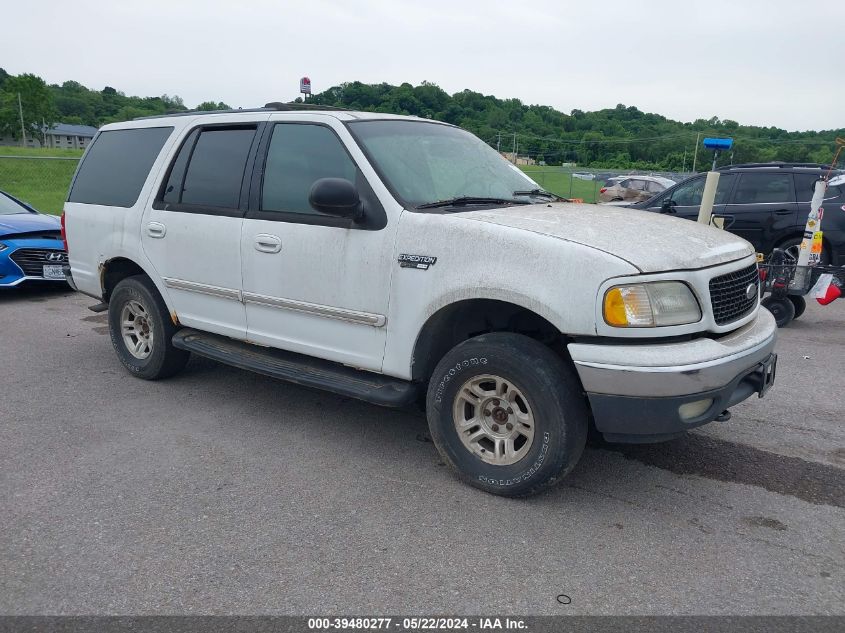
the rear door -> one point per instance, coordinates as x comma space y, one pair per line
763, 208
192, 230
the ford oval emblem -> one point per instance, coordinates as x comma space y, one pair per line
751, 291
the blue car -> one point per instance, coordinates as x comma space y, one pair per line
31, 246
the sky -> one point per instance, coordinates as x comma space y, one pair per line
775, 62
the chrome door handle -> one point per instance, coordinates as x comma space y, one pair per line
156, 230
268, 243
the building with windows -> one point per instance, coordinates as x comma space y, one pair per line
61, 135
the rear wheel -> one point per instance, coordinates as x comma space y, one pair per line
792, 248
507, 414
781, 308
141, 330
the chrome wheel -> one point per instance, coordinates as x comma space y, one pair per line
136, 329
493, 420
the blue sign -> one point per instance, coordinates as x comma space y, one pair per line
720, 144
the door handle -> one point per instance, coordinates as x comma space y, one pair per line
783, 212
268, 243
156, 230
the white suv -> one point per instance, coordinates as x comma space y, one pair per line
401, 261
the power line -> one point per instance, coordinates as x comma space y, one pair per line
665, 137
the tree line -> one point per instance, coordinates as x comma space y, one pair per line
44, 105
621, 137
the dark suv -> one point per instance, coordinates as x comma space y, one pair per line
765, 203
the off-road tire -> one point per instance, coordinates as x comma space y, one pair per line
163, 360
550, 388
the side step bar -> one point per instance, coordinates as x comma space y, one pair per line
299, 369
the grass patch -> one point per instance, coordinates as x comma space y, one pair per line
40, 182
37, 152
562, 183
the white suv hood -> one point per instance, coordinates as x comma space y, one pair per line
649, 241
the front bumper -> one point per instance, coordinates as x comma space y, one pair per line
14, 272
636, 391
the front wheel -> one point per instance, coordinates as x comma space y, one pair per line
141, 330
507, 414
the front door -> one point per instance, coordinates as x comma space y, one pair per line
314, 283
684, 201
191, 233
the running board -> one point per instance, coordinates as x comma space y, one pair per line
299, 369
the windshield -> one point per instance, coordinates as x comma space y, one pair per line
425, 163
9, 206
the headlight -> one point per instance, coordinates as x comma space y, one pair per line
3, 247
651, 305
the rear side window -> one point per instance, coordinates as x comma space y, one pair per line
764, 188
116, 166
209, 169
805, 185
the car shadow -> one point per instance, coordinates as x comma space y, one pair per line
406, 432
34, 291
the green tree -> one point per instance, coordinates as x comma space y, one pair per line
36, 102
210, 105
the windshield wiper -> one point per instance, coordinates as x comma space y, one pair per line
468, 200
540, 193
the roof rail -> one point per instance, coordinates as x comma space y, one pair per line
772, 164
274, 106
278, 105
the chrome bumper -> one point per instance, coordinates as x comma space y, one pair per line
638, 392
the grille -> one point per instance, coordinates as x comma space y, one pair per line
728, 294
32, 260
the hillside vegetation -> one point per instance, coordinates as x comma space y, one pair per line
618, 138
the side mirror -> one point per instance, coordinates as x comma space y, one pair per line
336, 196
668, 206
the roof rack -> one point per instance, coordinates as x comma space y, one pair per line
273, 106
772, 164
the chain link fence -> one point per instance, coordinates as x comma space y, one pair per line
40, 181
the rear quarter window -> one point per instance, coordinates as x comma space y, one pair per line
805, 186
116, 166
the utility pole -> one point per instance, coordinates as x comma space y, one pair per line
23, 129
695, 154
514, 148
499, 142
684, 168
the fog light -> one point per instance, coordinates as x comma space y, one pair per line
694, 409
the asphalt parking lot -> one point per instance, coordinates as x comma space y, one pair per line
220, 491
